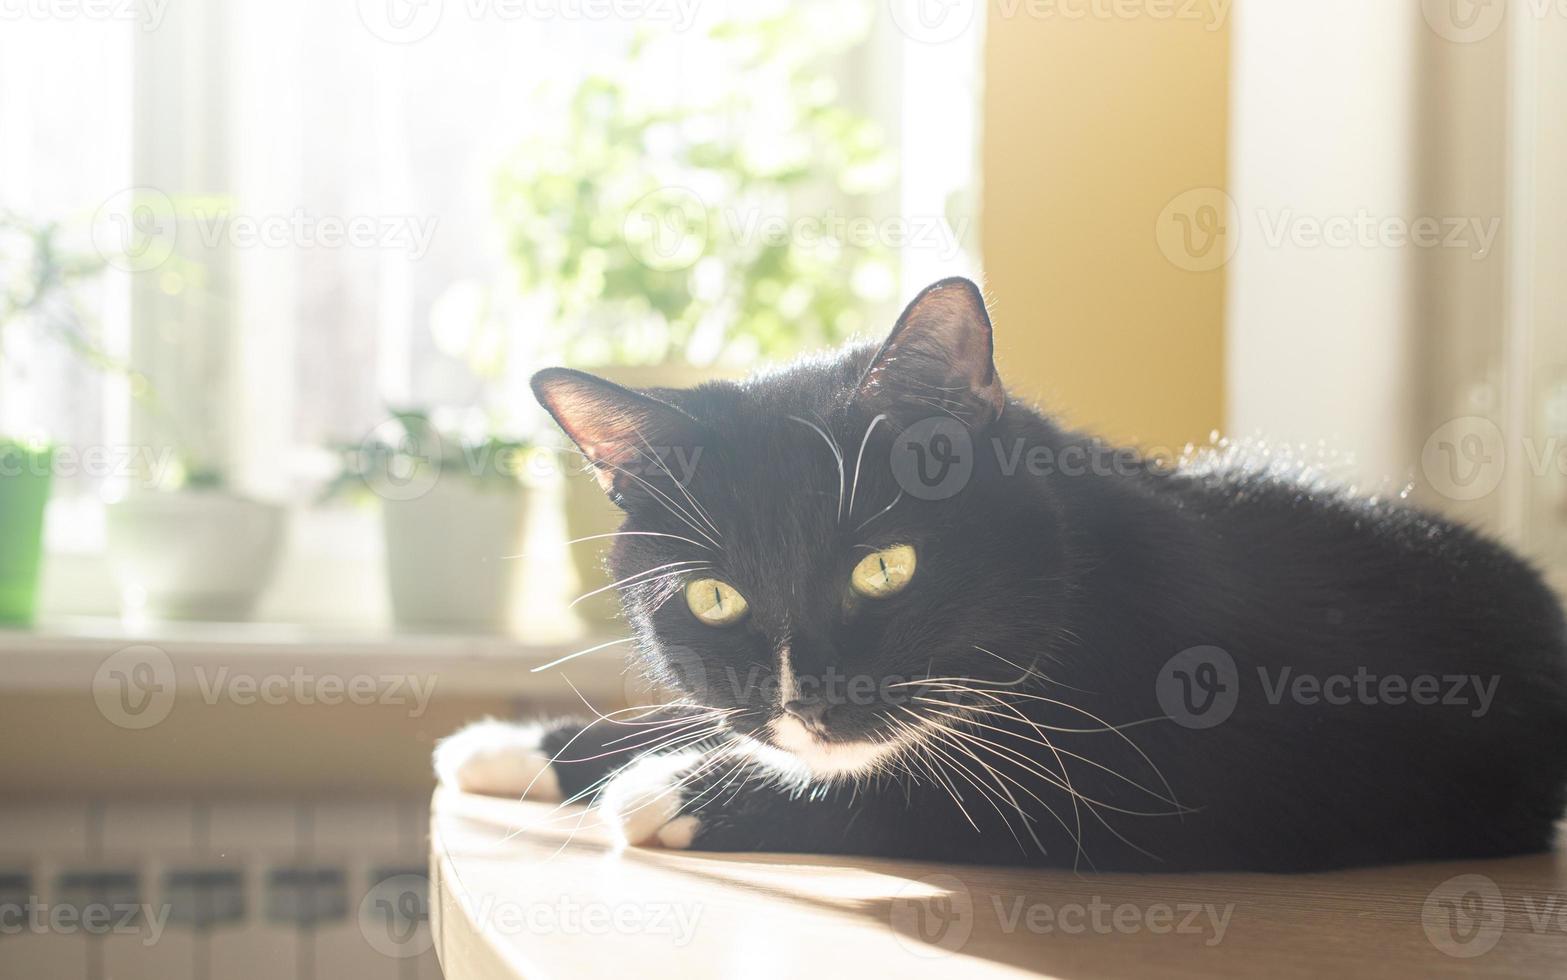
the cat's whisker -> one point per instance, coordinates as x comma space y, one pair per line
665, 577
647, 709
1092, 809
948, 733
742, 764
679, 512
668, 728
682, 566
583, 653
1112, 728
1062, 782
924, 744
989, 794
638, 534
961, 680
935, 387
595, 789
705, 728
1043, 741
1028, 764
945, 688
1179, 809
652, 454
837, 453
860, 458
938, 406
861, 525
1034, 670
599, 716
1047, 744
703, 766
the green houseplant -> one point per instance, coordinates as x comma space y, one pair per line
665, 236
454, 513
39, 276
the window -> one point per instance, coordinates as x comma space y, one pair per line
300, 206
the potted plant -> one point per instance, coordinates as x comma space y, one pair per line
668, 236
185, 545
454, 513
41, 275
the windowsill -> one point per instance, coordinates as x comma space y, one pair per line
69, 653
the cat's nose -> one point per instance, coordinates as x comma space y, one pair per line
812, 713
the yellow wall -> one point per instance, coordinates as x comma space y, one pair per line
1090, 128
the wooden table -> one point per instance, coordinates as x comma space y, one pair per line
521, 890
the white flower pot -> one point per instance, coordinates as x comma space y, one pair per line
194, 554
452, 555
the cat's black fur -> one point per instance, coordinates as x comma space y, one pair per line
1089, 577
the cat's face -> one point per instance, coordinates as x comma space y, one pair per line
775, 563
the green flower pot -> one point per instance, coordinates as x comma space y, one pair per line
24, 490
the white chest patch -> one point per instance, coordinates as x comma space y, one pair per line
830, 758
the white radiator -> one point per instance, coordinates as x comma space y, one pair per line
214, 891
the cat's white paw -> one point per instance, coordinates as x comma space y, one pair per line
641, 804
498, 758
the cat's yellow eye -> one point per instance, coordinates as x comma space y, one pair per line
715, 603
884, 573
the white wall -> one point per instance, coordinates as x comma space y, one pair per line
1321, 128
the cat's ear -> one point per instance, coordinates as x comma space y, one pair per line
626, 436
940, 354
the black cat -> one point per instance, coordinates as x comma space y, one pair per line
914, 617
